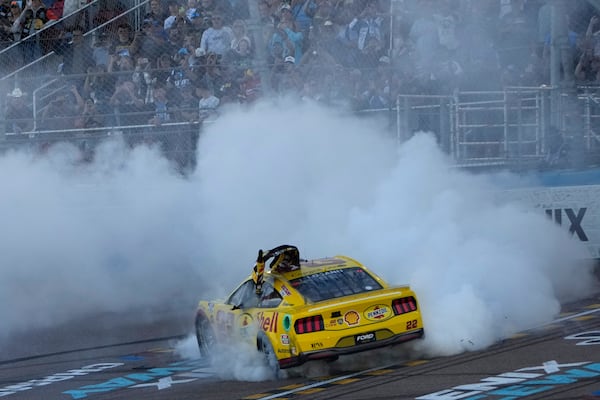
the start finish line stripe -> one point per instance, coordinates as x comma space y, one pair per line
575, 316
322, 383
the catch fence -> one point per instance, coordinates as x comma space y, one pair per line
533, 108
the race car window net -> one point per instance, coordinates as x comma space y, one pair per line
245, 296
335, 283
270, 297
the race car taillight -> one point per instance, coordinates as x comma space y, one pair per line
404, 305
309, 324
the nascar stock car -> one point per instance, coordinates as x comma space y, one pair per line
299, 310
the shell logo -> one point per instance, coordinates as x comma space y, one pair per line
351, 317
378, 312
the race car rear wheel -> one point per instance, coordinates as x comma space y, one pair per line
266, 348
205, 336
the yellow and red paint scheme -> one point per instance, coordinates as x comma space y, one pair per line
300, 330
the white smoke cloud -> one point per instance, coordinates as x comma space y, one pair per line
127, 231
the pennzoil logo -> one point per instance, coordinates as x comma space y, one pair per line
352, 318
377, 312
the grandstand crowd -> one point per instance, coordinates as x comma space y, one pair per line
181, 60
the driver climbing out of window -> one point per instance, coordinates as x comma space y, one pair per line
288, 260
285, 258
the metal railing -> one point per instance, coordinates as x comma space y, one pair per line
510, 127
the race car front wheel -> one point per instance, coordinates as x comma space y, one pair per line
205, 336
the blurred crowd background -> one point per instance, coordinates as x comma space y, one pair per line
82, 64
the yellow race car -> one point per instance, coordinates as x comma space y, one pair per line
299, 310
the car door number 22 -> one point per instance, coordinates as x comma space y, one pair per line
411, 324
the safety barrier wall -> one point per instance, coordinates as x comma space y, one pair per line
510, 129
176, 141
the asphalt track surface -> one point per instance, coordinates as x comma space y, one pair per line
116, 356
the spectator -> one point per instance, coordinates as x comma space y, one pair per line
13, 15
317, 55
11, 32
325, 11
162, 108
157, 13
63, 110
592, 37
207, 101
191, 10
175, 40
198, 23
190, 43
285, 15
179, 76
31, 20
18, 115
285, 36
108, 10
327, 39
101, 50
174, 15
150, 42
290, 80
366, 34
99, 86
240, 57
77, 55
6, 21
217, 39
122, 62
123, 40
250, 87
302, 12
375, 94
55, 10
164, 68
588, 67
265, 14
289, 26
143, 79
214, 75
240, 32
187, 105
90, 117
126, 104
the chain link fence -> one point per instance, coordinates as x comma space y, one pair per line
71, 67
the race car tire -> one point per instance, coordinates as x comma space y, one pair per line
205, 336
266, 348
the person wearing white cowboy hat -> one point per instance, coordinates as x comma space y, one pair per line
18, 116
17, 92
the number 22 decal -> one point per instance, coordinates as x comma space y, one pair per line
411, 324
